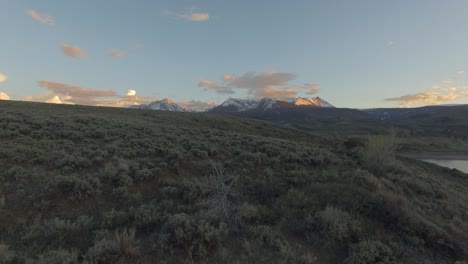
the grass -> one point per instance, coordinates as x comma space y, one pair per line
103, 185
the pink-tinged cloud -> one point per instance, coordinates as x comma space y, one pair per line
278, 93
190, 15
3, 77
270, 84
197, 105
196, 16
42, 18
427, 98
4, 96
310, 88
115, 53
251, 80
73, 51
75, 94
62, 93
218, 88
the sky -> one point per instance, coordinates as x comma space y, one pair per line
356, 54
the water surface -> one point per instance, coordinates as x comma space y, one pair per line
461, 165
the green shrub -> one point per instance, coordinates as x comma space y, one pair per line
147, 215
335, 224
57, 231
379, 152
370, 252
121, 248
77, 187
194, 237
59, 256
113, 219
6, 254
354, 142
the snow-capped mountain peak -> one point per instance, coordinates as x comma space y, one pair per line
240, 105
317, 101
166, 104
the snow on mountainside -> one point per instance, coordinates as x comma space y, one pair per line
317, 101
163, 105
240, 105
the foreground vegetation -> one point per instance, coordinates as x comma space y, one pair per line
434, 129
102, 185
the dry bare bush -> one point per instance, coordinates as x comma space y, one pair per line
223, 197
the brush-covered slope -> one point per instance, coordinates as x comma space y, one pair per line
104, 185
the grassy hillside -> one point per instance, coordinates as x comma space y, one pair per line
431, 128
103, 185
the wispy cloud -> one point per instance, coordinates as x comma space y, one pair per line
44, 19
73, 51
310, 88
4, 96
75, 94
211, 85
426, 98
197, 105
3, 77
113, 53
62, 93
268, 84
447, 90
190, 15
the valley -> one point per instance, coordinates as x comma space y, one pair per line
84, 184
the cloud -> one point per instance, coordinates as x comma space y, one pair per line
44, 19
115, 53
427, 98
197, 105
228, 77
461, 72
57, 100
190, 15
62, 93
268, 84
449, 81
131, 93
125, 101
279, 93
3, 77
447, 90
4, 96
210, 85
72, 51
310, 88
75, 94
251, 80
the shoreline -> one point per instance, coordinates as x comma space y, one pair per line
435, 155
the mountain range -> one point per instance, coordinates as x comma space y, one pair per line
241, 105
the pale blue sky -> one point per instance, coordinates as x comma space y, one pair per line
359, 52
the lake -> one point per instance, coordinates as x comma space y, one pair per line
461, 165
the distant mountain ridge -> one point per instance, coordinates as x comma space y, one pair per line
166, 104
241, 105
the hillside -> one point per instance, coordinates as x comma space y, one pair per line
107, 185
430, 128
